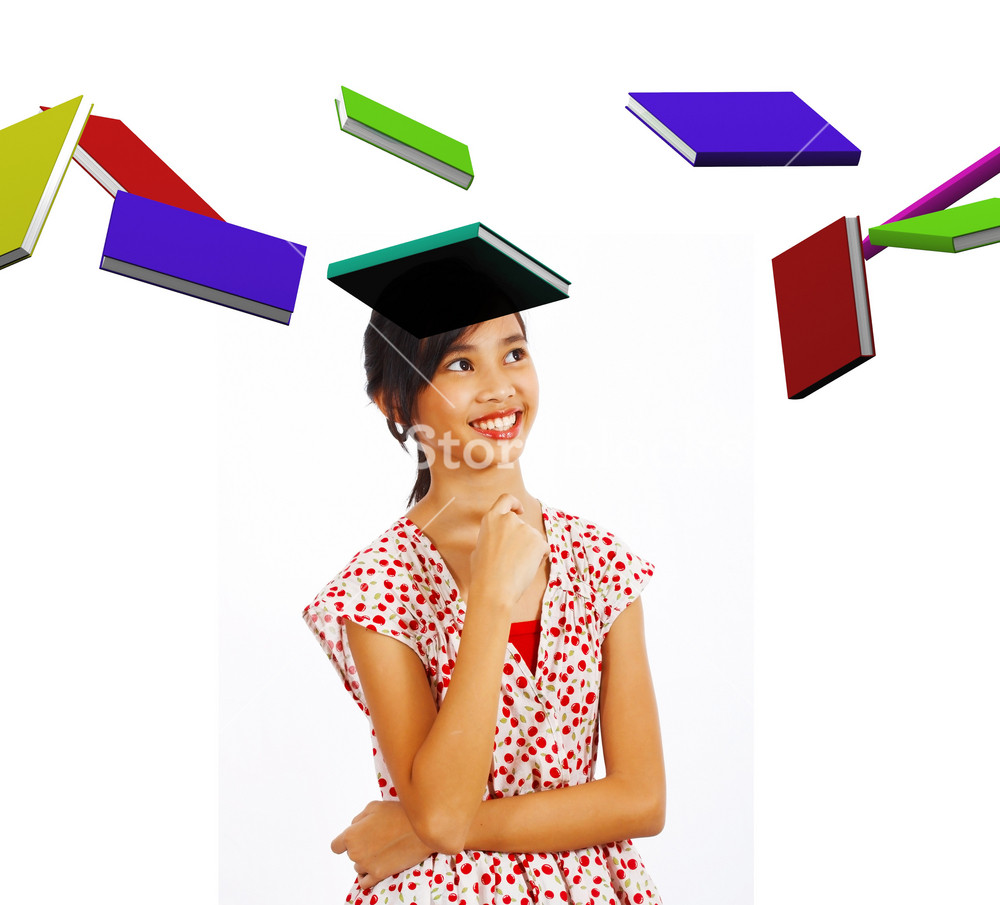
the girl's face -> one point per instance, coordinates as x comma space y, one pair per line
482, 400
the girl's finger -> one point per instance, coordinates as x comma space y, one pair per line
505, 503
339, 845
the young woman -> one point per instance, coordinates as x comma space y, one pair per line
486, 755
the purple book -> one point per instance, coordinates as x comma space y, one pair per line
204, 257
742, 128
945, 195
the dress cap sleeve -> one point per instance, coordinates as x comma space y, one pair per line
617, 574
378, 591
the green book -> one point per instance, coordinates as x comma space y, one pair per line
953, 229
405, 137
449, 280
34, 155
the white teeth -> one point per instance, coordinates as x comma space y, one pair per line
495, 424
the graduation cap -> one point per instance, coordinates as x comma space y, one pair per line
449, 280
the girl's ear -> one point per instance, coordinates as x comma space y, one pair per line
379, 400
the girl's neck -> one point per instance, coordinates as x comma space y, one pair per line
455, 506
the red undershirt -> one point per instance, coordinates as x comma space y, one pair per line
525, 637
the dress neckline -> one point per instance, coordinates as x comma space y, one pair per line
547, 602
526, 627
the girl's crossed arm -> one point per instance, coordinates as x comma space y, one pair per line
629, 801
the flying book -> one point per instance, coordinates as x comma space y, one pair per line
742, 128
823, 311
945, 195
34, 156
405, 137
465, 276
119, 160
203, 257
954, 229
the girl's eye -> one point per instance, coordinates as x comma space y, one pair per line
465, 365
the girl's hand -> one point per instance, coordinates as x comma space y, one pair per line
508, 551
380, 842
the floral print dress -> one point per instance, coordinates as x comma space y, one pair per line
547, 722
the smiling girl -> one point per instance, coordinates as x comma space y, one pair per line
486, 635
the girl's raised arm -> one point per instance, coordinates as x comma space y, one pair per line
440, 760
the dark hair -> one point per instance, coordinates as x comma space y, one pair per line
398, 366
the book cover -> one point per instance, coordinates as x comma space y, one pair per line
406, 138
118, 159
523, 279
34, 156
952, 230
823, 312
203, 257
945, 195
742, 128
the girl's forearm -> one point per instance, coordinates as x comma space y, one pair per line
451, 766
569, 818
564, 819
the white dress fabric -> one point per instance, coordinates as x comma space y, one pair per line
547, 722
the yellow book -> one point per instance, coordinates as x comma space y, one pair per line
34, 156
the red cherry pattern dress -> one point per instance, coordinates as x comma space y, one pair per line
547, 722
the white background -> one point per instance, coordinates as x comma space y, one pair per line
180, 479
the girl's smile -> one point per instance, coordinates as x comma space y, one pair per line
502, 426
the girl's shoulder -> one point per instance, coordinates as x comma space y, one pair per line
596, 558
598, 553
395, 568
389, 586
397, 548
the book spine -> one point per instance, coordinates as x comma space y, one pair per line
919, 241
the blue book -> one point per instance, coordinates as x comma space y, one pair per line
742, 128
204, 257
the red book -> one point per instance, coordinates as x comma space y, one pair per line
823, 311
119, 160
